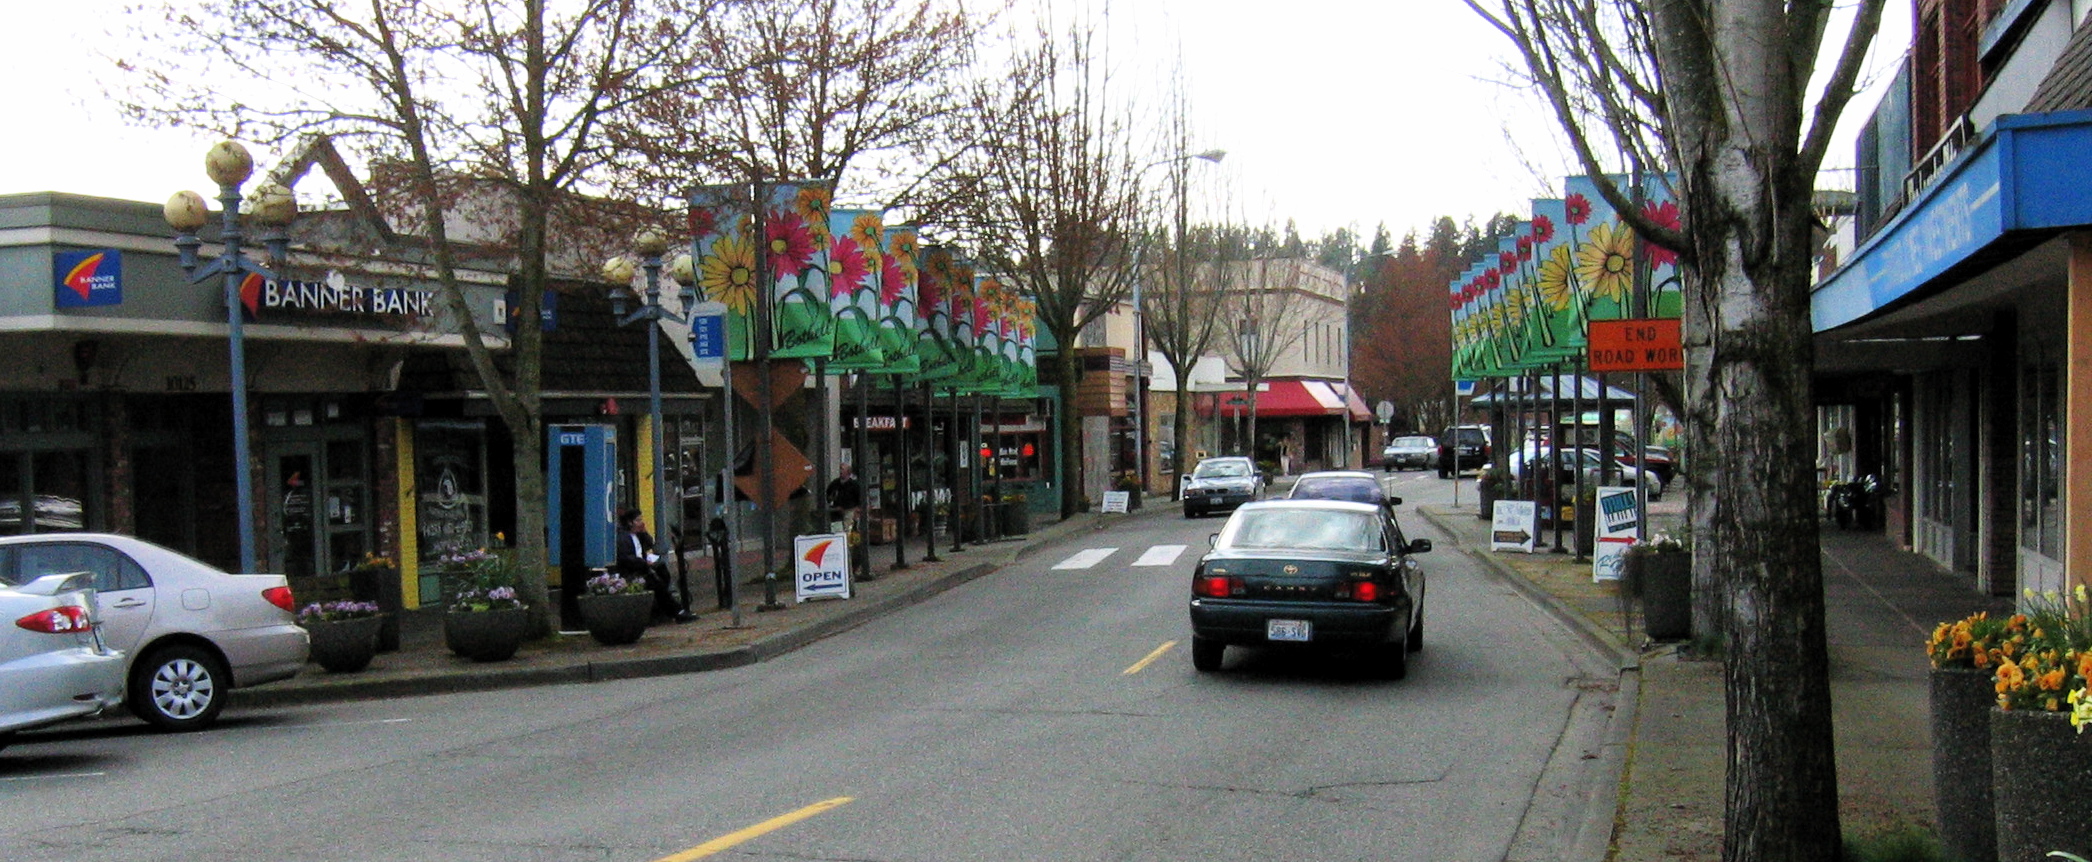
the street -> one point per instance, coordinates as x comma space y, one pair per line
1046, 711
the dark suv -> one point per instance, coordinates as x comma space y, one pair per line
1462, 448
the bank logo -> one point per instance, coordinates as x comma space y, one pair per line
86, 279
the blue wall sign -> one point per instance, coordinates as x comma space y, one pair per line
84, 279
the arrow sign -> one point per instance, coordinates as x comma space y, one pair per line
1513, 526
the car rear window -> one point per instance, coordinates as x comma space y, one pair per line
1298, 528
1221, 470
1354, 490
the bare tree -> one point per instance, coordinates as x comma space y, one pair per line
1717, 94
454, 98
1049, 199
1267, 304
1180, 308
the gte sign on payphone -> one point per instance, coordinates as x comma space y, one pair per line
823, 564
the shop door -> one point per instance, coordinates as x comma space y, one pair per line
293, 486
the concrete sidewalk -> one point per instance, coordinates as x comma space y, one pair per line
422, 664
1881, 604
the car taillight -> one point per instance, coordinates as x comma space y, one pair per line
1218, 586
1364, 591
281, 597
65, 619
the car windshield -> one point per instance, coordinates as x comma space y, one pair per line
1301, 528
1355, 490
1220, 470
1415, 443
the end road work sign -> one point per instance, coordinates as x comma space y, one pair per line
1653, 344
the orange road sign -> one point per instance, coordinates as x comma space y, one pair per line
1636, 345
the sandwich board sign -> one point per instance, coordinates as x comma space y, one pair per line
1514, 526
1619, 527
822, 563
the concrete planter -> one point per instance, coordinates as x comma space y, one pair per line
616, 620
2039, 767
344, 646
486, 635
1664, 582
1961, 700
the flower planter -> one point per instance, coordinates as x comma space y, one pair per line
2039, 766
1962, 699
616, 620
486, 635
1664, 582
1016, 518
344, 646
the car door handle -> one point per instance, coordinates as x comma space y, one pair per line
128, 603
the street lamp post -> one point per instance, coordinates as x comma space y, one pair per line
1140, 331
1246, 347
651, 244
271, 210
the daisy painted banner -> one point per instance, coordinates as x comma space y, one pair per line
1557, 293
959, 307
722, 244
933, 326
795, 241
1606, 249
897, 279
854, 273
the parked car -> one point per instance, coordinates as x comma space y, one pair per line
1411, 452
1462, 448
1322, 574
1221, 483
1587, 461
1356, 486
1654, 459
190, 632
53, 664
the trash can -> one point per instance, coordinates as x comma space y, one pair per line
1664, 582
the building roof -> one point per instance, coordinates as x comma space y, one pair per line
2068, 85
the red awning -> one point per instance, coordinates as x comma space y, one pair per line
1282, 399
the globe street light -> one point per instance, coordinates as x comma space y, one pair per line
270, 210
651, 244
1140, 333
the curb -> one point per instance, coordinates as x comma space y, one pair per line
1621, 657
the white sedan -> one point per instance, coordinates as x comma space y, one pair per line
192, 632
53, 665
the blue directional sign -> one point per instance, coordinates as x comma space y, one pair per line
708, 333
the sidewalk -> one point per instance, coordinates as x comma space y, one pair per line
422, 665
1881, 604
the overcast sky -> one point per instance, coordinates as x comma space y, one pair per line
1333, 112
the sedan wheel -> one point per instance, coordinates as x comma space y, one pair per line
1393, 659
1416, 632
177, 688
1206, 654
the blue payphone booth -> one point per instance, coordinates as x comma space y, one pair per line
582, 482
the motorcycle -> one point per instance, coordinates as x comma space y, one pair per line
1854, 502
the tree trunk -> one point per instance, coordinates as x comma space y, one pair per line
1073, 497
1751, 423
1182, 432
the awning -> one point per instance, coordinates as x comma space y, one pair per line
1283, 399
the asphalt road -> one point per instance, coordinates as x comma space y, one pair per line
1048, 711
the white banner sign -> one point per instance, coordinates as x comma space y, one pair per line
1514, 526
823, 566
1115, 501
1619, 527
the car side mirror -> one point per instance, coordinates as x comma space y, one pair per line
1212, 539
1392, 502
1419, 546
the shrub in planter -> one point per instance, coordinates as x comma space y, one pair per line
2039, 753
1659, 571
1962, 694
615, 609
343, 634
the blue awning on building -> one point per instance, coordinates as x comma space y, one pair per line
2023, 181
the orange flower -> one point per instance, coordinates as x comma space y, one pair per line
2050, 681
2084, 666
2009, 677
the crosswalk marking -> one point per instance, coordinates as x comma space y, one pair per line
1160, 555
1086, 558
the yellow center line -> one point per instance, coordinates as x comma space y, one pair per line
764, 828
1143, 663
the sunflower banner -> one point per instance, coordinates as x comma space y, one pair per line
898, 274
854, 273
933, 324
959, 307
1606, 249
1556, 291
722, 242
795, 243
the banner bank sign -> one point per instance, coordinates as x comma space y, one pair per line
333, 296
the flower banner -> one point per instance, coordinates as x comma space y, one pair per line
934, 323
722, 244
898, 274
855, 270
795, 242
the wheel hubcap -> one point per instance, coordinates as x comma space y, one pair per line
182, 689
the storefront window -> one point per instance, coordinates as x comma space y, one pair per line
2041, 459
450, 489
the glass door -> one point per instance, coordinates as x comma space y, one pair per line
293, 487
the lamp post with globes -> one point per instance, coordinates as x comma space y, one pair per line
270, 212
1140, 334
651, 244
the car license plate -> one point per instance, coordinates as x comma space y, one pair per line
1286, 630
